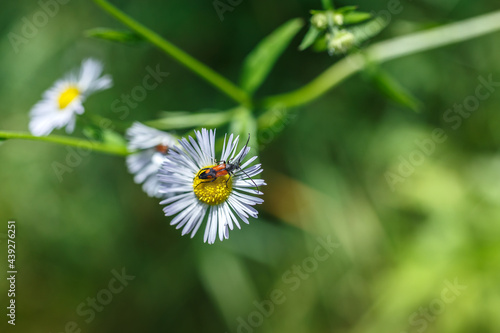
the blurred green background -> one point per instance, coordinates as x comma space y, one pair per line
398, 250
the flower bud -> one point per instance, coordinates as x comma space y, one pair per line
342, 41
319, 20
338, 19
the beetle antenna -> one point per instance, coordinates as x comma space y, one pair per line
246, 174
244, 147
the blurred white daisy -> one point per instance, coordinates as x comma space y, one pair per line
62, 102
187, 176
149, 147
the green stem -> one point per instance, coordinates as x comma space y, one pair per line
327, 4
68, 141
211, 76
385, 51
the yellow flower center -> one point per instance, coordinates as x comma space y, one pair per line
210, 191
67, 96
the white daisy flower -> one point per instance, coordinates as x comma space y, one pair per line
199, 185
62, 102
150, 146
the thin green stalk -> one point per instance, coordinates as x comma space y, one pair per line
327, 4
68, 141
211, 76
385, 51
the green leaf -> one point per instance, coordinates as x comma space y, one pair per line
93, 132
107, 136
320, 44
261, 60
113, 139
120, 36
178, 119
310, 37
356, 17
393, 89
368, 30
346, 9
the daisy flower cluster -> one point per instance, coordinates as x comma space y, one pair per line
194, 186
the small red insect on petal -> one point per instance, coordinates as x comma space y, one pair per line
162, 149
